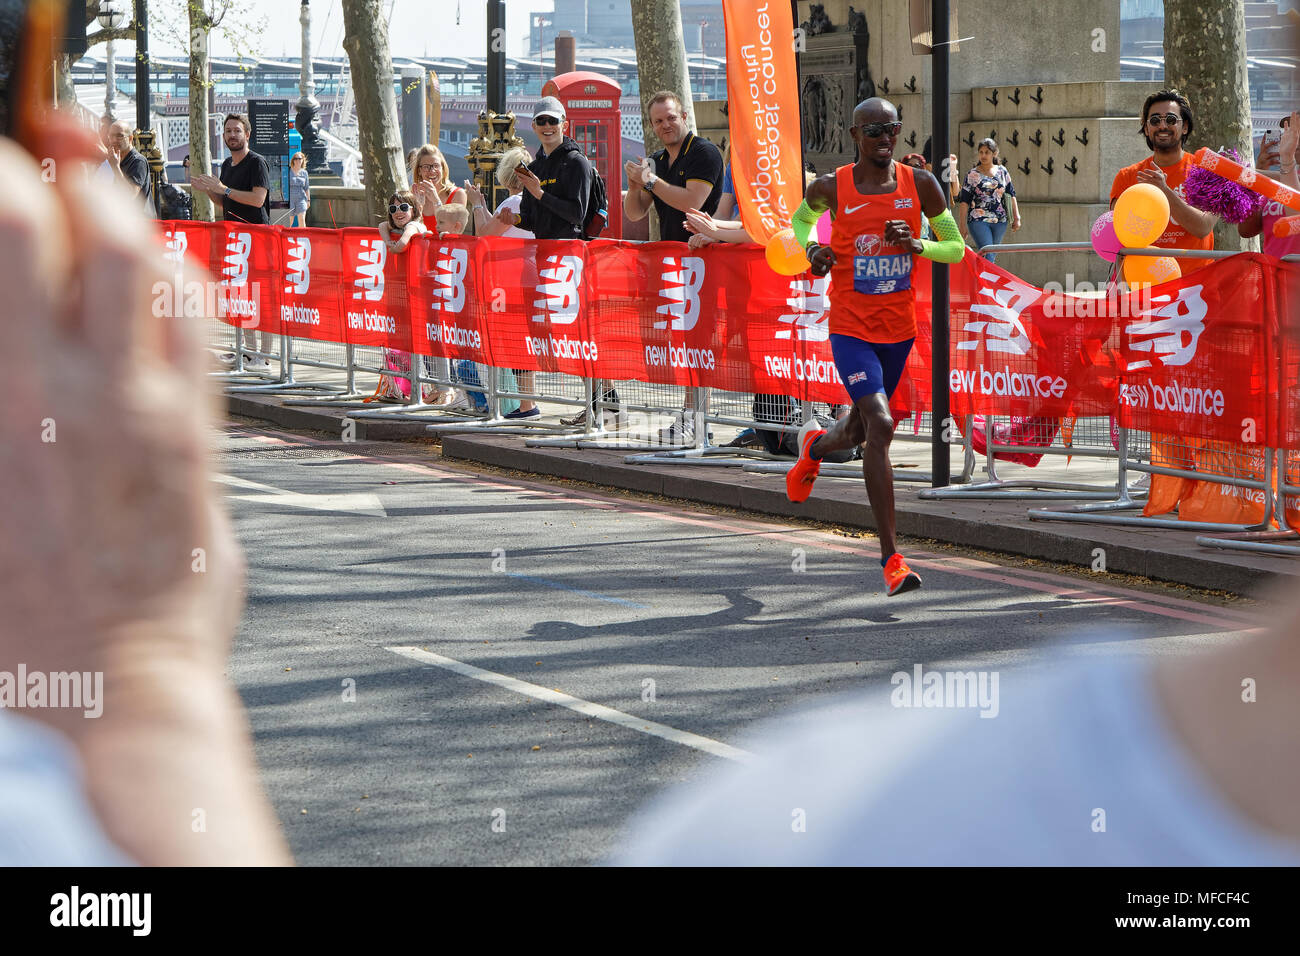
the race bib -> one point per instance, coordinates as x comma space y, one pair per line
880, 275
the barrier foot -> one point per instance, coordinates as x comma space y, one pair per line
845, 469
1022, 489
1136, 521
1262, 542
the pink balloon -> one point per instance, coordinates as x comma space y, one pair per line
1104, 241
824, 228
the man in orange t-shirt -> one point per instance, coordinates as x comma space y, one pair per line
1166, 124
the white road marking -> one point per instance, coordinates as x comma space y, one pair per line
362, 503
585, 707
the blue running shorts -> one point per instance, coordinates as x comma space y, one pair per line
867, 368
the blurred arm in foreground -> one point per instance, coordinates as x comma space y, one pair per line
117, 558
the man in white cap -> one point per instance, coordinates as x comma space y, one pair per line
557, 183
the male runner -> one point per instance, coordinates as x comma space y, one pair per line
876, 207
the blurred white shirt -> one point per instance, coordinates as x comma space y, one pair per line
879, 785
44, 817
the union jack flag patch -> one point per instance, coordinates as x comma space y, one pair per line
857, 377
903, 203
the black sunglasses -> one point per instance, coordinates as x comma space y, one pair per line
399, 207
1168, 119
872, 130
546, 120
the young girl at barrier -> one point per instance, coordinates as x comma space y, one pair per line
404, 222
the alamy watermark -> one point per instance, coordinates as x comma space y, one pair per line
76, 690
922, 688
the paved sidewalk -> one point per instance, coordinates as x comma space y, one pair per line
996, 525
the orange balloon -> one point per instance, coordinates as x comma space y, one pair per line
1142, 271
1141, 215
785, 256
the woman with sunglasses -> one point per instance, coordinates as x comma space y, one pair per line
431, 181
981, 212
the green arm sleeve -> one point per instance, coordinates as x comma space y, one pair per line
950, 248
803, 221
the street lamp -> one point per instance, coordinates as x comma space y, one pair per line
145, 141
111, 17
307, 115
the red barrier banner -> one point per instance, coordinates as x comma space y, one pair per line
311, 277
1202, 357
246, 258
1195, 354
1018, 350
376, 307
447, 311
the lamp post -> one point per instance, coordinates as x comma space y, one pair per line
144, 137
111, 17
307, 115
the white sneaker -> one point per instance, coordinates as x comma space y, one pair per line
456, 399
255, 364
681, 431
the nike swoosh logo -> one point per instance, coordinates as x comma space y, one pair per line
850, 210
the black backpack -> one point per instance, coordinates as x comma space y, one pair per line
597, 207
784, 410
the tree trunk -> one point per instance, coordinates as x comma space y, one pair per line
1205, 58
200, 151
365, 38
661, 65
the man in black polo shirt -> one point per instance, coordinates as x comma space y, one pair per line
244, 189
687, 174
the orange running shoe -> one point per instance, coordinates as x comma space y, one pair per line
899, 577
799, 479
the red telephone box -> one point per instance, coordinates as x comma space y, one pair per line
596, 125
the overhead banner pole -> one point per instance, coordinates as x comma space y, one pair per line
941, 430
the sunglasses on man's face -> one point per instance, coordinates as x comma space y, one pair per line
546, 120
399, 207
1167, 119
872, 130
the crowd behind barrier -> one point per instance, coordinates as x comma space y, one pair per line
1195, 375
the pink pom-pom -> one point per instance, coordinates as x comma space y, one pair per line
1210, 192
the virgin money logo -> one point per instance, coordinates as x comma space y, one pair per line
809, 305
867, 244
682, 280
177, 243
369, 281
558, 299
449, 271
1171, 331
297, 266
1002, 301
234, 269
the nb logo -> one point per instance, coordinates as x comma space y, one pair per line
177, 244
1002, 331
1171, 331
449, 279
557, 291
809, 305
683, 279
298, 266
234, 270
369, 281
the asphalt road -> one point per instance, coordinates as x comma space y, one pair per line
445, 666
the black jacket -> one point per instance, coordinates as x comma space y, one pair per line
566, 183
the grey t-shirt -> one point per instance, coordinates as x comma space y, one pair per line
872, 784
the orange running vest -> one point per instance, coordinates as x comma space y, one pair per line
871, 282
